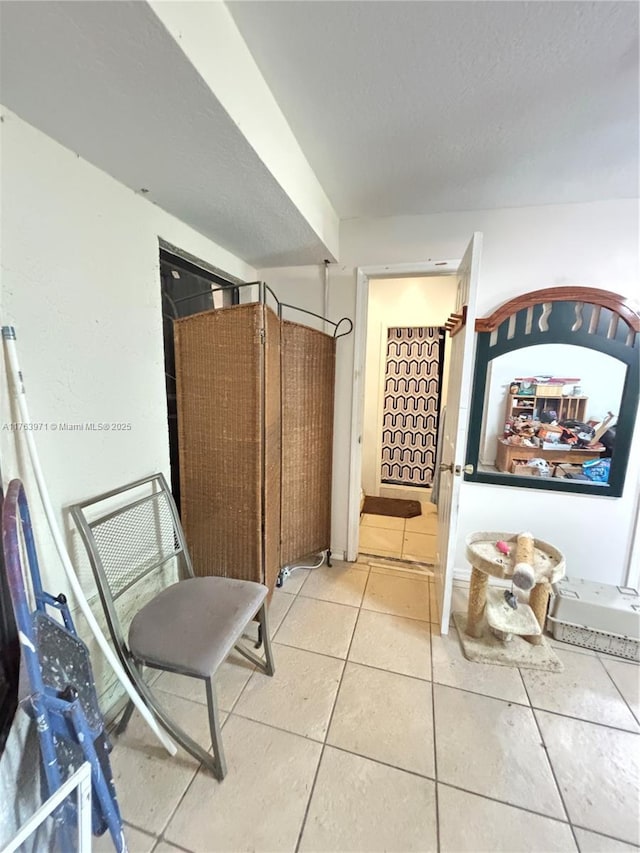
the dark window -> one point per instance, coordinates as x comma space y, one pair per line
9, 658
186, 289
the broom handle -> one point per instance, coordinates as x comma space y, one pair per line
9, 337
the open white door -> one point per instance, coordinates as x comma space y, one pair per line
454, 431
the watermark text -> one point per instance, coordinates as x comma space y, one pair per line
68, 426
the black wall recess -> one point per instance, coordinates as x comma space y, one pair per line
9, 657
595, 319
186, 289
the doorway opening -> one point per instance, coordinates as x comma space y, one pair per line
403, 393
454, 423
188, 287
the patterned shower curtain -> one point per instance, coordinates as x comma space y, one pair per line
413, 377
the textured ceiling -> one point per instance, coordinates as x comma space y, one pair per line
422, 107
106, 80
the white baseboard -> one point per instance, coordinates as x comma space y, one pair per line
337, 555
461, 575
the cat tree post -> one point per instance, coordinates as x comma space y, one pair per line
538, 602
477, 601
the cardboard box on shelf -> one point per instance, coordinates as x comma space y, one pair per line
524, 470
568, 471
548, 390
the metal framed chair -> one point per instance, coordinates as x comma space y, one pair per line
133, 536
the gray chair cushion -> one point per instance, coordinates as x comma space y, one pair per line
192, 625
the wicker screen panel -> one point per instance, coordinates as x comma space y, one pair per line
219, 390
308, 376
272, 448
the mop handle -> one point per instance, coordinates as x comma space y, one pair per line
9, 337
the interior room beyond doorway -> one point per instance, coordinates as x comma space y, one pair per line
404, 392
405, 372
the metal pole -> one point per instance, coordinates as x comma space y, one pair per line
84, 810
9, 338
325, 308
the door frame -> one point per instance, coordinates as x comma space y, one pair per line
443, 267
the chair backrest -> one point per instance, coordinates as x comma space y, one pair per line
130, 533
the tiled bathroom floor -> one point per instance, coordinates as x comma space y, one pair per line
408, 539
375, 734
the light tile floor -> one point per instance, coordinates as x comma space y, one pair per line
376, 734
412, 539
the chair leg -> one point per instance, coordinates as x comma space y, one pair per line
220, 770
126, 716
171, 727
266, 639
258, 642
265, 664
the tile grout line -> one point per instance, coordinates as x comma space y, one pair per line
229, 713
402, 769
416, 678
550, 763
535, 707
567, 821
345, 660
223, 725
406, 562
335, 702
128, 823
433, 724
317, 771
160, 836
360, 608
582, 720
162, 839
368, 665
276, 728
564, 822
382, 763
620, 693
165, 826
603, 656
610, 837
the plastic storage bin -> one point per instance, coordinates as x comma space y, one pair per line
596, 616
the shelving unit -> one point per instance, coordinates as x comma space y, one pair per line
508, 454
574, 408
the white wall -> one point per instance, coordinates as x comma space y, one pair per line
394, 302
209, 37
81, 284
299, 286
524, 249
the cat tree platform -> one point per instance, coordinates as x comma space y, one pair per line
478, 641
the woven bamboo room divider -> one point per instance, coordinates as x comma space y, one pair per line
308, 376
228, 387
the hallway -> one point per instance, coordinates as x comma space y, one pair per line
410, 539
